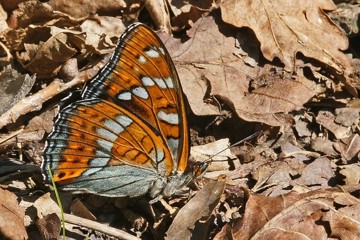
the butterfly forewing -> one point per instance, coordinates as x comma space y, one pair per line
129, 130
142, 78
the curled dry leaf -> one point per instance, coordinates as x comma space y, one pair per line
11, 217
348, 147
346, 16
275, 177
293, 215
46, 58
197, 208
285, 28
278, 177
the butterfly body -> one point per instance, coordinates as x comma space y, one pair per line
128, 135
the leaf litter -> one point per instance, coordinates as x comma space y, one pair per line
285, 68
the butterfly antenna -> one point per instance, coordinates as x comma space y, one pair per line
200, 169
254, 135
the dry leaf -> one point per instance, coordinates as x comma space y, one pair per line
219, 160
346, 116
186, 12
197, 208
205, 73
13, 87
294, 215
46, 58
351, 173
317, 174
277, 97
49, 226
327, 119
11, 217
85, 8
285, 28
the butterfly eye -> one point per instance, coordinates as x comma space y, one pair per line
200, 168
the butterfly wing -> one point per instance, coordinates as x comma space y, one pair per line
142, 78
130, 128
100, 147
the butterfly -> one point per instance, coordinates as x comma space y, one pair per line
128, 135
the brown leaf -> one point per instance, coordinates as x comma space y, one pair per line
324, 146
317, 174
277, 97
186, 12
294, 215
220, 160
46, 59
79, 209
327, 119
275, 177
29, 12
346, 116
302, 128
285, 28
349, 147
205, 73
13, 87
49, 226
85, 8
344, 220
103, 25
3, 17
11, 217
198, 207
351, 173
45, 205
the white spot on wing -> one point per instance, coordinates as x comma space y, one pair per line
160, 82
140, 92
152, 53
104, 133
96, 165
104, 144
174, 146
114, 126
124, 96
172, 118
169, 82
124, 120
159, 155
173, 143
161, 50
147, 81
142, 59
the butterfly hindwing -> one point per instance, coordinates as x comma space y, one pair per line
97, 140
